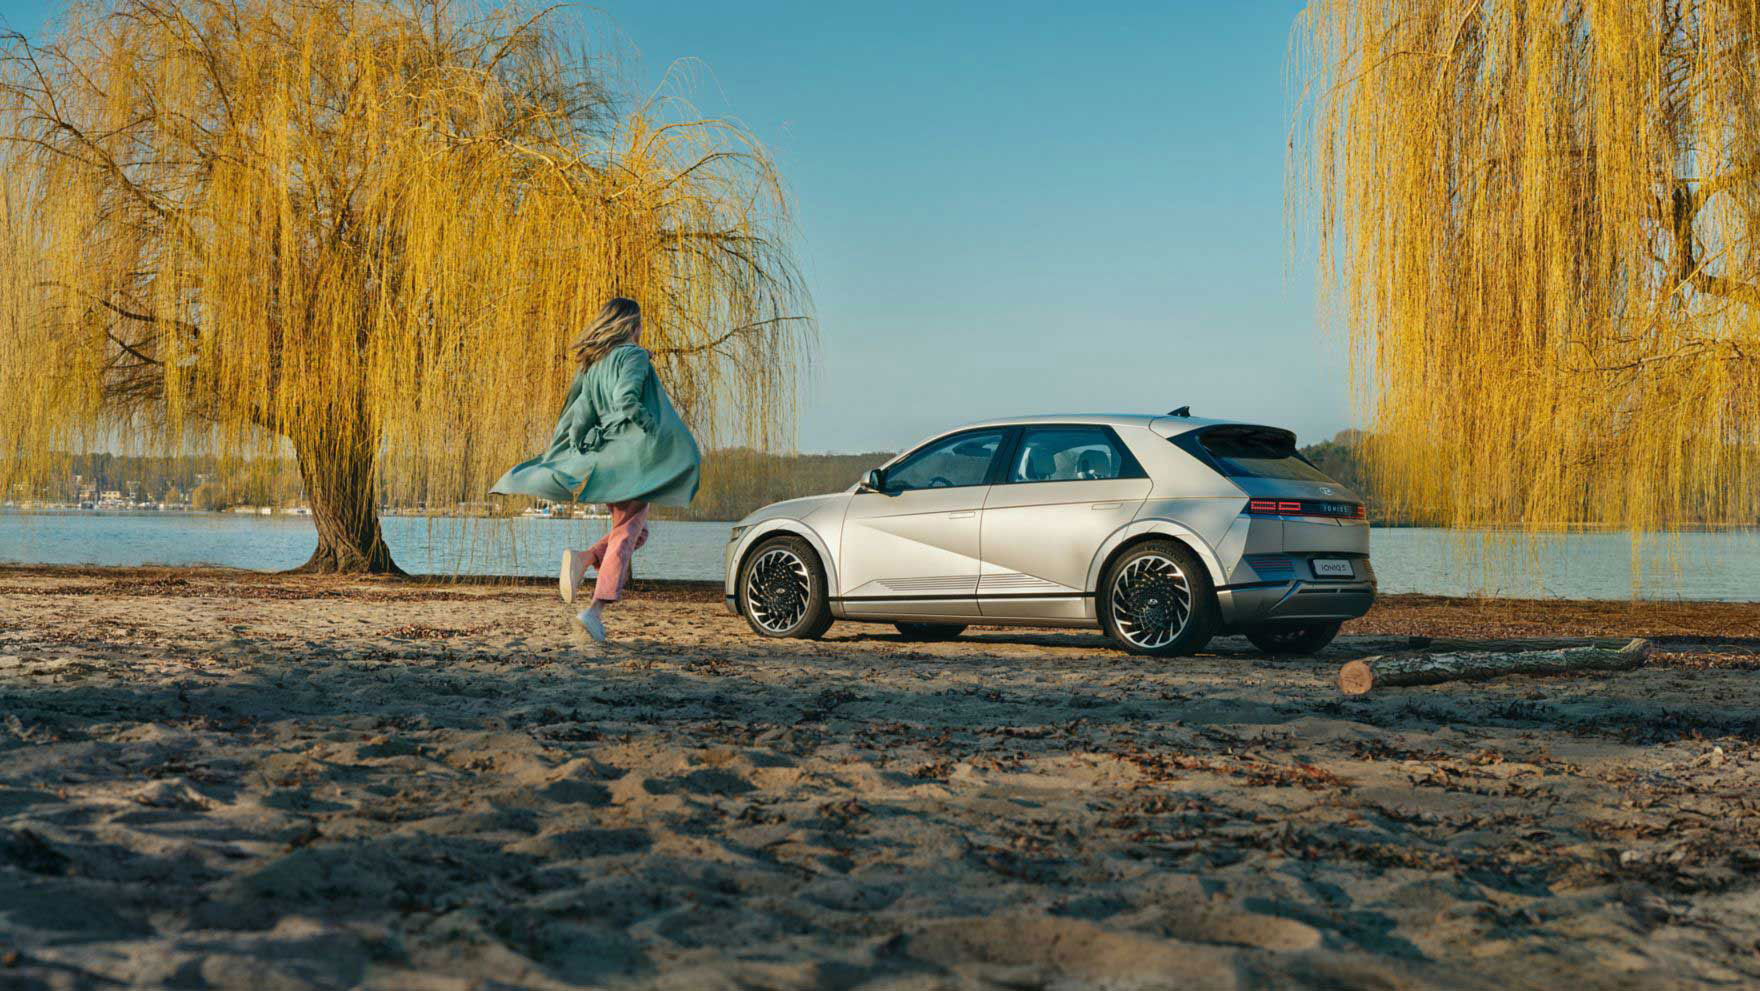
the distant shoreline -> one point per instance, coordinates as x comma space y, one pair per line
295, 512
151, 576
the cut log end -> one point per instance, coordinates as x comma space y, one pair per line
1357, 677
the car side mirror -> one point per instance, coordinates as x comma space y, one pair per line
874, 481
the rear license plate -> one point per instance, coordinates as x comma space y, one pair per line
1332, 568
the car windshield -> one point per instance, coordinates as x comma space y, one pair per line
1251, 452
952, 462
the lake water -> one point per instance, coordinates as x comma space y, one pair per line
1723, 565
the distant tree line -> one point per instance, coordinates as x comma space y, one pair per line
739, 480
735, 480
205, 481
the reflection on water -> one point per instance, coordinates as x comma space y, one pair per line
518, 546
1715, 565
1700, 565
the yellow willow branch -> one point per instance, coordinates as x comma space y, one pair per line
744, 330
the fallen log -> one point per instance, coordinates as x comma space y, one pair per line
1362, 676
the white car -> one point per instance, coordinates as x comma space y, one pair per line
1162, 530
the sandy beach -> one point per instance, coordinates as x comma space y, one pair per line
228, 780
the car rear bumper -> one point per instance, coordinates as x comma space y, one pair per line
1294, 601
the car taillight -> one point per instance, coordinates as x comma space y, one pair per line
1296, 507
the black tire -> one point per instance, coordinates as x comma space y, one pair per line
1292, 638
930, 631
793, 602
1160, 570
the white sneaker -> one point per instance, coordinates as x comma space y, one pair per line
574, 568
593, 624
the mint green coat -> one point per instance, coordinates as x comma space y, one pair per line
618, 439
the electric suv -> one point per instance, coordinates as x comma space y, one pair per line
1164, 531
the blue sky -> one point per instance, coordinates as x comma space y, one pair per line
1021, 207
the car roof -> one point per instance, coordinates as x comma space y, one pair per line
1170, 424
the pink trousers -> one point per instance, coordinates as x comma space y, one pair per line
611, 555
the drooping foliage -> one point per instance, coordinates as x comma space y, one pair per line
1538, 218
365, 231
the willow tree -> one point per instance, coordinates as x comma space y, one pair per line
364, 230
1539, 220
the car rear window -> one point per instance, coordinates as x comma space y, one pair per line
1248, 452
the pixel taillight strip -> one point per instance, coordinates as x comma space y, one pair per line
1306, 507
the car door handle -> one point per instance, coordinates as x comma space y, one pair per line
968, 514
1106, 505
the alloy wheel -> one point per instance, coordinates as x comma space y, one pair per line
779, 588
1151, 601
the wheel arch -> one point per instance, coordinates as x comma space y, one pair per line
1143, 531
781, 527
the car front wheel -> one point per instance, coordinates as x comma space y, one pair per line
1156, 599
782, 590
1292, 638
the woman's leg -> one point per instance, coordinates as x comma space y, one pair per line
596, 553
629, 531
575, 565
629, 567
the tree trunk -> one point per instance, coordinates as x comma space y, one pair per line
339, 479
1361, 677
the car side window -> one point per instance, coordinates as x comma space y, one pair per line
963, 459
1067, 454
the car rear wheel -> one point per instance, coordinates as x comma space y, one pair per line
1293, 638
930, 631
782, 590
1156, 599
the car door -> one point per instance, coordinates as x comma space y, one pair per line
1064, 490
912, 547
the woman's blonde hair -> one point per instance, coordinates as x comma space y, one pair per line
618, 322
